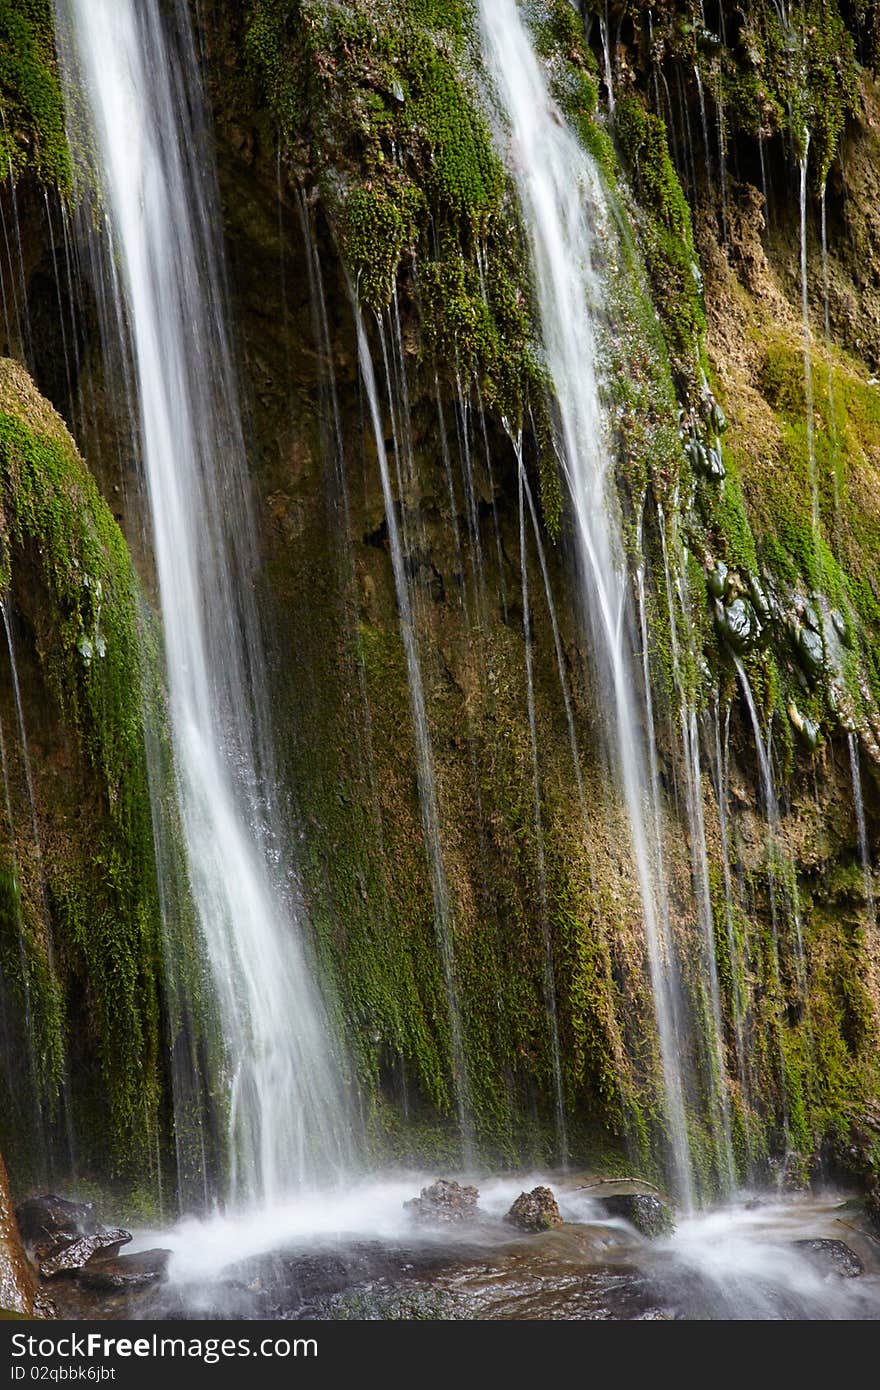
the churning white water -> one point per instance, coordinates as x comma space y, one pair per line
564, 211
794, 1259
134, 109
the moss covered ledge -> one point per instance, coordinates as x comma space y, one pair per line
83, 901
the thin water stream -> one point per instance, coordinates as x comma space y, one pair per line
275, 1072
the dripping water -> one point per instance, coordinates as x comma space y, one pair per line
549, 969
807, 335
427, 782
862, 831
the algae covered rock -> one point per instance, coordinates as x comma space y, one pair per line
537, 1210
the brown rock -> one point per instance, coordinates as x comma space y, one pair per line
534, 1211
17, 1283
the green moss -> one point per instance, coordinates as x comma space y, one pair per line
667, 236
72, 576
798, 79
32, 135
397, 141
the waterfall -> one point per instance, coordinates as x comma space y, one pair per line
134, 107
563, 208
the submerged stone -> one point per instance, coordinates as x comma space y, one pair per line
534, 1211
643, 1210
444, 1203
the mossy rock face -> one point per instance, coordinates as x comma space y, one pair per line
367, 125
32, 137
341, 93
379, 107
80, 929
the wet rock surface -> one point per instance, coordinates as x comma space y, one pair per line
534, 1211
643, 1210
17, 1285
48, 1219
65, 1256
832, 1256
444, 1203
122, 1272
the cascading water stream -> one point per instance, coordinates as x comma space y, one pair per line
276, 1077
562, 205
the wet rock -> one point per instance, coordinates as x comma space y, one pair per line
832, 1256
760, 601
807, 728
534, 1211
811, 651
49, 1219
65, 1256
642, 1210
842, 628
716, 579
707, 461
737, 623
118, 1273
715, 463
444, 1203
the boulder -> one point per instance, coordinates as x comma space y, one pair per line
643, 1210
444, 1203
49, 1219
534, 1211
832, 1256
65, 1256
